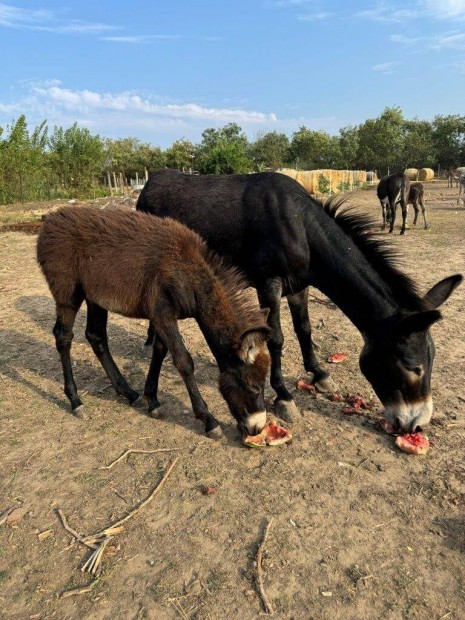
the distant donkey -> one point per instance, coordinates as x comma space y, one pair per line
461, 188
415, 198
391, 190
453, 176
146, 267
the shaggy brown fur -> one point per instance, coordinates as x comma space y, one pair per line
145, 267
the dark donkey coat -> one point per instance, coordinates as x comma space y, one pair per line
284, 240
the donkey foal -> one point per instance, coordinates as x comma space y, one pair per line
145, 267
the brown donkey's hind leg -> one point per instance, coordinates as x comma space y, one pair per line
151, 385
96, 334
169, 334
63, 332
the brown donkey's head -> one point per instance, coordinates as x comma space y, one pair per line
242, 381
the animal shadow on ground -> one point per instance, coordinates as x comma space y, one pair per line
453, 529
41, 358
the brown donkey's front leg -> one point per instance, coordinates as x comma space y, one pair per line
168, 334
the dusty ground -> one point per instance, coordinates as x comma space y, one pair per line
360, 530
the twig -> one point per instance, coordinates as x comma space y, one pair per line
92, 565
83, 590
261, 589
110, 530
73, 532
134, 451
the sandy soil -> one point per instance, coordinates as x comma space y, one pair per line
360, 530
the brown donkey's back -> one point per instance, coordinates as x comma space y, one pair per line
146, 267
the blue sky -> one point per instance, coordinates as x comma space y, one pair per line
167, 70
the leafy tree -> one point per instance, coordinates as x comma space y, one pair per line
270, 150
348, 147
419, 149
130, 156
224, 151
180, 155
449, 140
22, 161
313, 149
76, 157
381, 142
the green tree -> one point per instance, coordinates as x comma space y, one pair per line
76, 157
348, 147
180, 155
129, 156
419, 149
270, 150
22, 162
224, 151
449, 140
311, 150
381, 142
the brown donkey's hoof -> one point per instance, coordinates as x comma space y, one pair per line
326, 385
216, 433
285, 410
80, 413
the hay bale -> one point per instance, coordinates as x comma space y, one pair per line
426, 174
412, 174
289, 172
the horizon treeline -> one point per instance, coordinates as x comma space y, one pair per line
44, 164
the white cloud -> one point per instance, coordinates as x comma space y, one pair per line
445, 9
386, 67
383, 12
280, 3
314, 17
127, 113
447, 41
140, 38
46, 21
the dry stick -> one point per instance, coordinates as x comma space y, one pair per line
83, 590
134, 451
261, 589
73, 532
107, 530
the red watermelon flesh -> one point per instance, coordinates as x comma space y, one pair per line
271, 435
413, 443
336, 358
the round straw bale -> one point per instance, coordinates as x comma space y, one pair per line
290, 172
426, 174
411, 174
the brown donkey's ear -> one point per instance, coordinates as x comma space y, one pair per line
251, 341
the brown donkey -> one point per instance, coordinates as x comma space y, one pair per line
146, 267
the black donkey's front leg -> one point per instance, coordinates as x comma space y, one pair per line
270, 297
298, 305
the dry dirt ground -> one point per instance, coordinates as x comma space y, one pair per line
360, 530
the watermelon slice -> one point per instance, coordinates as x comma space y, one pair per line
337, 357
271, 435
413, 443
306, 387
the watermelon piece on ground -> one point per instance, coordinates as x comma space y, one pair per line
337, 357
413, 443
271, 435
